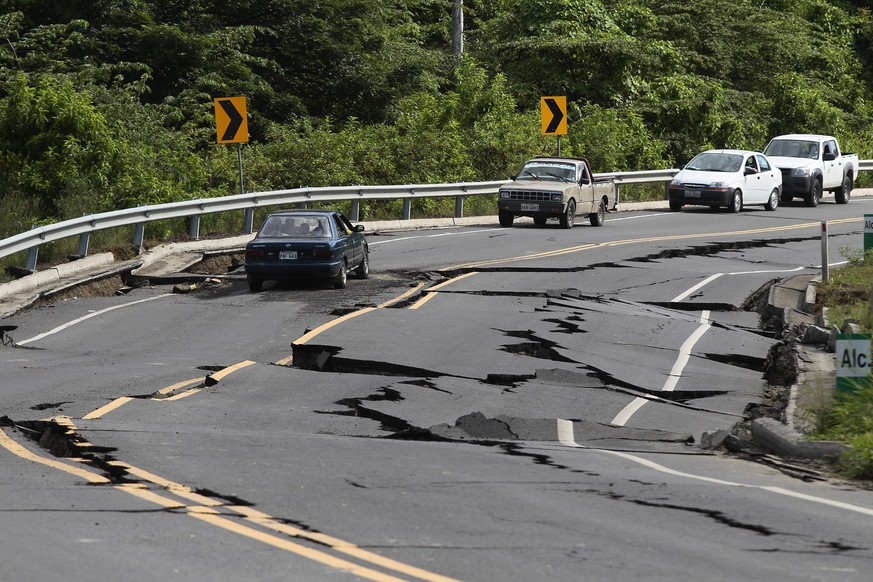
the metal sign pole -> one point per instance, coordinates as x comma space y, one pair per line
242, 189
824, 251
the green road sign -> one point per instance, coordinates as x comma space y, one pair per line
853, 363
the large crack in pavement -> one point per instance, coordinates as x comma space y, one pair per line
711, 249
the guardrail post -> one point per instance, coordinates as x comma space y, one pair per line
617, 195
824, 252
138, 236
194, 229
84, 239
249, 221
32, 255
355, 211
459, 207
407, 209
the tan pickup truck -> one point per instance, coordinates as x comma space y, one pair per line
558, 187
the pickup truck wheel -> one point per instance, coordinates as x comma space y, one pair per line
598, 217
736, 203
842, 195
812, 197
569, 216
506, 218
540, 220
786, 198
773, 201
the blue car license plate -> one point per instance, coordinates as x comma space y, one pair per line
287, 255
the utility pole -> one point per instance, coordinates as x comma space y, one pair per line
458, 28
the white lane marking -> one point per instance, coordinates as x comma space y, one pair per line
662, 215
86, 317
712, 278
685, 352
393, 240
567, 438
703, 283
675, 373
628, 411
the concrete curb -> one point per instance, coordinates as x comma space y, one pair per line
54, 274
773, 436
793, 299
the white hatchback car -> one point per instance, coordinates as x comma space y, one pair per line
731, 178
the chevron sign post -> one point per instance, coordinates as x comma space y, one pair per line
232, 126
553, 111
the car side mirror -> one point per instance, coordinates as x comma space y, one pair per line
748, 171
584, 180
829, 157
358, 228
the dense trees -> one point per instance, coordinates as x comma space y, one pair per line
108, 103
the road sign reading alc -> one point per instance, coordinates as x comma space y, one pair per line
853, 361
231, 122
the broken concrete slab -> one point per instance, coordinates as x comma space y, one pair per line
778, 438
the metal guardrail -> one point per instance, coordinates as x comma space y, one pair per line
194, 209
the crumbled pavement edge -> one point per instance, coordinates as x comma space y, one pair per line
778, 426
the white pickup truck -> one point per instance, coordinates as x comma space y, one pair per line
556, 187
811, 164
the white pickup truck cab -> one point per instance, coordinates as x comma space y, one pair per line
811, 164
556, 187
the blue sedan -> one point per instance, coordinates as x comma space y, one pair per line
305, 245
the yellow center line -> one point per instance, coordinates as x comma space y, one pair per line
16, 449
311, 334
215, 378
212, 517
401, 297
117, 403
176, 488
265, 520
423, 300
289, 546
181, 384
579, 248
122, 400
204, 511
452, 280
180, 396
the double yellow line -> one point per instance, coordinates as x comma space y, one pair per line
586, 247
237, 519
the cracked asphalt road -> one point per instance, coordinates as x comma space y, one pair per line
468, 431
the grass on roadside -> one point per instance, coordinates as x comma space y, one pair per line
847, 296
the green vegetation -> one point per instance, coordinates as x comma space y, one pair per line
106, 104
850, 419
